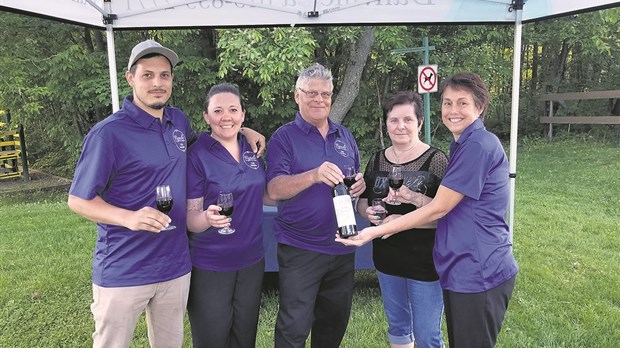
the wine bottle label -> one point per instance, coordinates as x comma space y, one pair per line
344, 210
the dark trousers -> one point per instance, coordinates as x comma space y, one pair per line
223, 307
474, 320
316, 291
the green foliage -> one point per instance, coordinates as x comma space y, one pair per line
46, 88
264, 63
55, 75
192, 80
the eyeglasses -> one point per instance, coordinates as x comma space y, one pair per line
314, 94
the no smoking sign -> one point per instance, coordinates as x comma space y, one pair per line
427, 78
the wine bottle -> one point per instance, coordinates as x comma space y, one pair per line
345, 216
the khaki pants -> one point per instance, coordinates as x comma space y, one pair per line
116, 312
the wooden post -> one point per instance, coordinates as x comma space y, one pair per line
22, 145
550, 134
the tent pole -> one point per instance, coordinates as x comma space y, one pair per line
517, 6
109, 21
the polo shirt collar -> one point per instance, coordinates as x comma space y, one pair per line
210, 141
305, 126
142, 117
476, 125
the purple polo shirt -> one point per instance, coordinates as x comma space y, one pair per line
308, 220
123, 159
210, 170
472, 246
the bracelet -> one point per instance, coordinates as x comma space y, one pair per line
422, 201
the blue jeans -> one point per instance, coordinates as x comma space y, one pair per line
413, 309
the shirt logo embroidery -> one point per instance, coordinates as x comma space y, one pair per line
341, 147
249, 158
179, 140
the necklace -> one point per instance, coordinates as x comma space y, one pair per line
406, 151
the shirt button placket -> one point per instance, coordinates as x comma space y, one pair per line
167, 140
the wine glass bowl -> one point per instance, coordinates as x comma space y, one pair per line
349, 176
225, 201
395, 181
164, 201
378, 207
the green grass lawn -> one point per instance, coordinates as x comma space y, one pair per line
566, 240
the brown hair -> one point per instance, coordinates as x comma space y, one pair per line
404, 98
472, 83
223, 87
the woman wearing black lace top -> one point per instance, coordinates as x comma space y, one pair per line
412, 296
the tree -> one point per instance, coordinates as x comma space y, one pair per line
55, 75
358, 55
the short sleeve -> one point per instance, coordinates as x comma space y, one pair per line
439, 163
279, 158
468, 169
95, 167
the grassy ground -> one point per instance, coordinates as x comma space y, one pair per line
567, 243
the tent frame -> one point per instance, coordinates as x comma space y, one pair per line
516, 6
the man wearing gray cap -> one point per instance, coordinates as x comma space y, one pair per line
141, 259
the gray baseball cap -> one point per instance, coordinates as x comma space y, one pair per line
150, 46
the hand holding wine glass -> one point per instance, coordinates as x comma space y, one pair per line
164, 201
395, 181
225, 201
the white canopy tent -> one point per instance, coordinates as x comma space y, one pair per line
222, 13
126, 14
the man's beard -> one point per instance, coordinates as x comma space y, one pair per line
157, 106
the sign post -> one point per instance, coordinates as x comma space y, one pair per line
429, 82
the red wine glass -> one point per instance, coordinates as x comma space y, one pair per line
164, 201
395, 182
225, 201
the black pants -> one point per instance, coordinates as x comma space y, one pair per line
316, 291
474, 320
223, 307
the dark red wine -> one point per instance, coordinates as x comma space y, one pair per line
396, 183
227, 210
381, 214
164, 206
349, 181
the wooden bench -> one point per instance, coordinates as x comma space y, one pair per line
13, 159
559, 97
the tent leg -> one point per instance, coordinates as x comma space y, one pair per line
514, 117
111, 57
